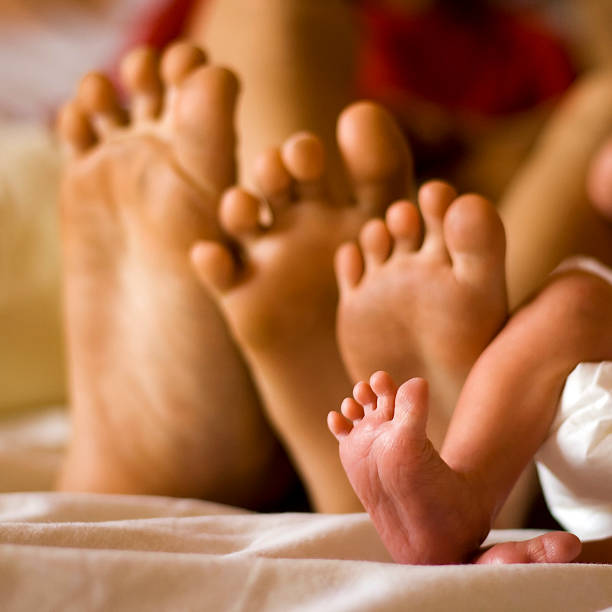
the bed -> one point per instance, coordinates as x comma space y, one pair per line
62, 551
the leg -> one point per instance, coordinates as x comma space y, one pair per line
275, 283
546, 211
151, 362
425, 308
438, 508
283, 65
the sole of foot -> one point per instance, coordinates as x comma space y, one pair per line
162, 401
418, 505
424, 298
274, 281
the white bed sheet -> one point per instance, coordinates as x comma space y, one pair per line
94, 552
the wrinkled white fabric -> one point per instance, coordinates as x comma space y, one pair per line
575, 462
71, 552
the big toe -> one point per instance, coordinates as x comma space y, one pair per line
555, 547
376, 155
200, 113
475, 240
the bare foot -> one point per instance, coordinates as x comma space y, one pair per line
275, 282
599, 180
162, 402
417, 503
424, 307
420, 507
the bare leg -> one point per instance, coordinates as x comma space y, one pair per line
161, 400
279, 295
431, 508
296, 60
545, 210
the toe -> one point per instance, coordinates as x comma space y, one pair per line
475, 240
239, 213
555, 547
349, 266
434, 199
376, 156
338, 425
411, 406
382, 384
74, 128
404, 225
98, 98
599, 180
362, 392
273, 179
179, 60
375, 242
200, 116
304, 157
352, 410
214, 265
140, 75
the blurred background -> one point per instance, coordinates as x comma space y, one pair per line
471, 82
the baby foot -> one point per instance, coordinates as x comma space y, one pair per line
151, 362
423, 307
275, 281
424, 512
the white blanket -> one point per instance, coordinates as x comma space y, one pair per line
92, 552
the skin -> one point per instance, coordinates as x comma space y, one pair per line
279, 295
148, 352
437, 508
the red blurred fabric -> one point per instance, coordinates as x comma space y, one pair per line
497, 63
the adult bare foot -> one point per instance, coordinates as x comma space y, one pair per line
161, 400
275, 282
417, 503
424, 307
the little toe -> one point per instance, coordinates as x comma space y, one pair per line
239, 213
98, 98
382, 384
375, 242
304, 157
411, 405
139, 71
214, 265
363, 394
349, 266
338, 425
377, 158
475, 240
599, 180
74, 128
179, 60
351, 409
434, 199
273, 178
404, 225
